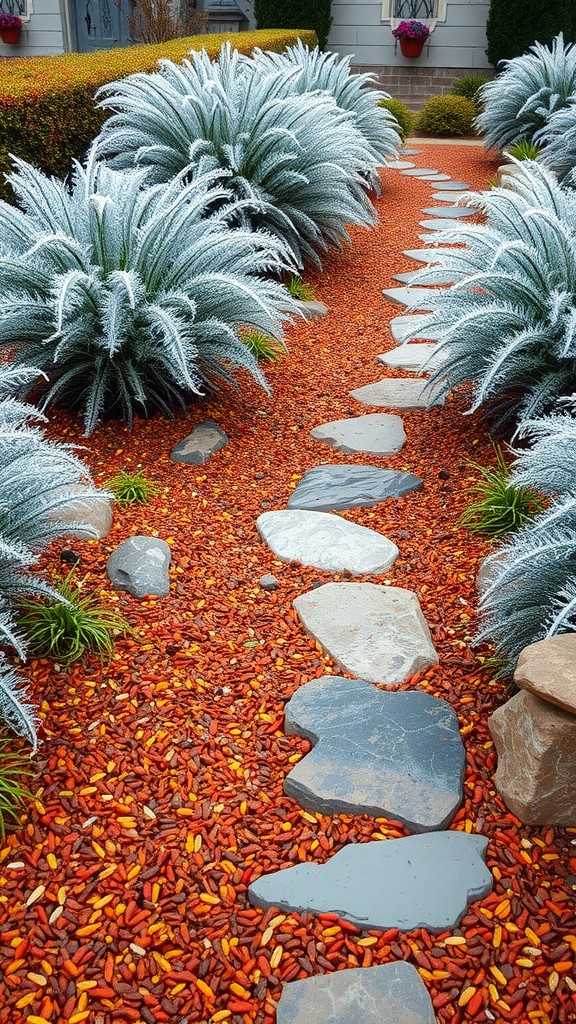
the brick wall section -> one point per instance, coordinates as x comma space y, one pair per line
414, 85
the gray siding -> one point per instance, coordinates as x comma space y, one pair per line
41, 34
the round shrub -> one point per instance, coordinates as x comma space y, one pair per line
403, 115
448, 115
468, 86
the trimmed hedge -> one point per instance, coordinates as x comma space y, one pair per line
448, 116
314, 14
514, 25
47, 111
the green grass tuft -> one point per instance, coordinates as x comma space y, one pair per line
501, 507
66, 629
524, 150
13, 795
265, 348
300, 290
130, 487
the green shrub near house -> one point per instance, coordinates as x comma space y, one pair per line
403, 115
311, 14
47, 110
447, 116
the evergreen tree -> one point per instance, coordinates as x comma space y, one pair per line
313, 14
513, 25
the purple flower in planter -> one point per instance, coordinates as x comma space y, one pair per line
411, 30
9, 21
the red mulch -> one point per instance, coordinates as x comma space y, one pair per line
160, 777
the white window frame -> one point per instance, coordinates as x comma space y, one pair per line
388, 7
27, 12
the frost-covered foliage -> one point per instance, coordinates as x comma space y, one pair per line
530, 90
298, 164
508, 324
38, 481
331, 73
559, 141
130, 298
533, 595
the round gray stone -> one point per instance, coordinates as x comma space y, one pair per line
390, 755
398, 393
206, 439
326, 542
140, 566
376, 434
341, 487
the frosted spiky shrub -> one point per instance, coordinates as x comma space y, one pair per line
559, 141
298, 164
38, 480
331, 73
508, 324
130, 298
533, 594
530, 90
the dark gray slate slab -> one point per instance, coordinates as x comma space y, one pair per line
402, 326
454, 186
414, 298
372, 632
388, 994
206, 439
326, 541
422, 881
391, 755
438, 277
451, 212
327, 487
398, 393
140, 566
375, 434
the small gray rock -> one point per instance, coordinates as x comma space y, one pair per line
388, 994
206, 439
375, 434
140, 566
340, 487
326, 541
312, 309
268, 582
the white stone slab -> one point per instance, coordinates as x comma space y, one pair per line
436, 176
451, 212
398, 393
440, 277
454, 186
400, 165
375, 434
402, 326
413, 357
326, 542
448, 197
431, 255
415, 298
438, 224
418, 172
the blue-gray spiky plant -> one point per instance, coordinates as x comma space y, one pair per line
533, 593
558, 139
39, 479
331, 73
297, 163
131, 298
508, 324
522, 99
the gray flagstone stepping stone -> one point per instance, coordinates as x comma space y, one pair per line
326, 541
378, 433
373, 632
402, 326
400, 165
454, 186
434, 176
340, 487
388, 994
415, 298
410, 152
448, 197
398, 393
413, 357
206, 439
440, 277
417, 171
451, 212
390, 755
422, 881
427, 236
438, 224
424, 255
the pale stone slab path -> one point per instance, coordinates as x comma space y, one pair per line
326, 542
422, 881
373, 632
341, 487
451, 212
435, 277
417, 172
410, 152
424, 255
448, 197
398, 393
414, 298
435, 176
390, 755
206, 439
402, 326
387, 994
454, 186
375, 434
400, 165
414, 357
438, 224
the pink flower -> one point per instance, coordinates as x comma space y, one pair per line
411, 30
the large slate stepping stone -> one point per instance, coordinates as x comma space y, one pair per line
340, 487
402, 326
398, 393
391, 755
415, 298
326, 541
418, 171
434, 176
140, 566
375, 434
454, 186
439, 277
447, 197
451, 212
388, 994
413, 357
422, 881
206, 439
400, 165
410, 152
424, 255
438, 224
373, 632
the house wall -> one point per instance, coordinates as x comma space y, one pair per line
42, 33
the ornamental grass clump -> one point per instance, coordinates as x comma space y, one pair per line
508, 324
128, 488
130, 298
295, 165
14, 768
501, 507
527, 94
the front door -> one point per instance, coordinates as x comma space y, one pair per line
100, 25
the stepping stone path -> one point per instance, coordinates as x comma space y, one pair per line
451, 212
398, 393
410, 152
424, 255
438, 277
326, 542
140, 566
402, 326
375, 434
419, 172
341, 487
415, 298
206, 439
448, 197
373, 632
390, 755
413, 357
312, 309
422, 881
453, 186
388, 994
438, 224
400, 165
433, 176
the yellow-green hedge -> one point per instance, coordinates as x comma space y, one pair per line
47, 111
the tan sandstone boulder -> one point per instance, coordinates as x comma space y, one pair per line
548, 670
